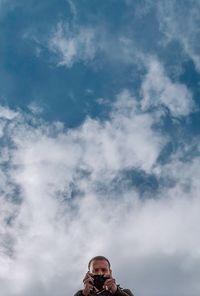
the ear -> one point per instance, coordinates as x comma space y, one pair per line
111, 272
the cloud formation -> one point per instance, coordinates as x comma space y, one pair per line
158, 90
73, 45
106, 186
64, 198
181, 23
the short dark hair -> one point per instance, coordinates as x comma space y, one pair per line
98, 258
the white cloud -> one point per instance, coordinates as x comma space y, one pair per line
78, 43
61, 200
158, 90
35, 108
73, 45
181, 22
6, 113
61, 210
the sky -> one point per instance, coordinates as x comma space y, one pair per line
99, 144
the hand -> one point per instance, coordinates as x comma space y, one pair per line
88, 283
110, 285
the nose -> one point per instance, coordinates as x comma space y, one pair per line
100, 272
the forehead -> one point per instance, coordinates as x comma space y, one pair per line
99, 264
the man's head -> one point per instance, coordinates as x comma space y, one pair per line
100, 265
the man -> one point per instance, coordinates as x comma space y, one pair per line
100, 265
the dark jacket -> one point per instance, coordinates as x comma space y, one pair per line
119, 292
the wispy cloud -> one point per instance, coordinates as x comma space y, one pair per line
74, 45
64, 199
158, 90
69, 194
6, 113
181, 22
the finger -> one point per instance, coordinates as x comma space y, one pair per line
88, 280
88, 286
109, 281
108, 289
87, 276
95, 289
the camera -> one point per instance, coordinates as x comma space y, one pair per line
98, 283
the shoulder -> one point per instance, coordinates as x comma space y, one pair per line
123, 292
79, 293
128, 292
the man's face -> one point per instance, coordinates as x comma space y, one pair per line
100, 267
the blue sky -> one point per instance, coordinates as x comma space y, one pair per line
99, 120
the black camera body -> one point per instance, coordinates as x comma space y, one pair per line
98, 283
